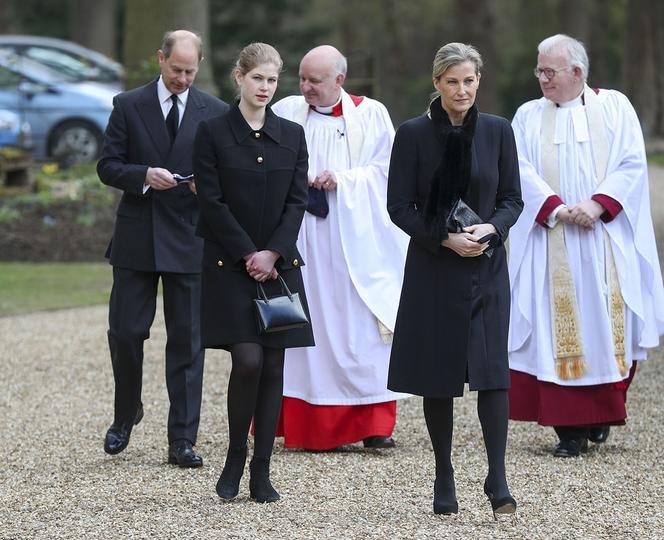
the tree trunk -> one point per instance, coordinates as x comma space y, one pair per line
95, 25
639, 68
478, 27
145, 23
6, 26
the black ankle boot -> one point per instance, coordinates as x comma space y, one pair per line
228, 484
499, 505
260, 487
444, 495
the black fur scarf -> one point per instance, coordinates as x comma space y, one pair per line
452, 176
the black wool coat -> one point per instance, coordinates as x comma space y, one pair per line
453, 316
252, 192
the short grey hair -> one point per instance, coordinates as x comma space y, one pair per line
455, 53
341, 65
572, 48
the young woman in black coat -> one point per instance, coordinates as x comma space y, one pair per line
250, 168
453, 314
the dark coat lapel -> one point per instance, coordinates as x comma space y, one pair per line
193, 114
150, 112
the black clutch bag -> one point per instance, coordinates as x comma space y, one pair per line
462, 216
317, 203
279, 313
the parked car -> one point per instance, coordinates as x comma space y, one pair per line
15, 150
13, 131
74, 61
67, 118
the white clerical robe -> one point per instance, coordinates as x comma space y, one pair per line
354, 258
631, 237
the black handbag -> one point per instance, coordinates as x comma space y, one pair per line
282, 312
462, 216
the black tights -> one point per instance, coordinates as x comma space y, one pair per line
254, 390
492, 409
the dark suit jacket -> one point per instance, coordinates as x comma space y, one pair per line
155, 231
454, 312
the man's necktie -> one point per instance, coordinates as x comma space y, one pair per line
172, 118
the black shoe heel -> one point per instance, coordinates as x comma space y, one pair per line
139, 415
501, 506
228, 485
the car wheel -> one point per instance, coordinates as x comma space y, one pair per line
75, 141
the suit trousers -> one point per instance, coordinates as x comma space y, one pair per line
132, 308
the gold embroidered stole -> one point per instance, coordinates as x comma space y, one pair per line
568, 342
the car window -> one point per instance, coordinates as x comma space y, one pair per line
71, 66
8, 79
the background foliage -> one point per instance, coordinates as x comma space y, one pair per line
389, 43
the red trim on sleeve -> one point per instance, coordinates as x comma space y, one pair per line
549, 206
612, 207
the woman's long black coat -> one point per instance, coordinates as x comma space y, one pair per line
252, 192
453, 315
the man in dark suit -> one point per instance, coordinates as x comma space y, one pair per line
147, 147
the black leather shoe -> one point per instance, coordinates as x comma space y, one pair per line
599, 434
260, 487
378, 441
117, 436
567, 448
182, 454
500, 505
228, 485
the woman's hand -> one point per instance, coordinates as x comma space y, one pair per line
465, 244
260, 265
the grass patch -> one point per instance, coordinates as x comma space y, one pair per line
28, 287
656, 159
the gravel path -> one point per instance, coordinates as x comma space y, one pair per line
56, 481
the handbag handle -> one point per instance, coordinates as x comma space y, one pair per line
284, 288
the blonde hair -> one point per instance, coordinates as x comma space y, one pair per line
255, 54
455, 53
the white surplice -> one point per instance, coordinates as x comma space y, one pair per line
631, 236
354, 258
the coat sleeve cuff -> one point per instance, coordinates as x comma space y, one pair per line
611, 206
549, 206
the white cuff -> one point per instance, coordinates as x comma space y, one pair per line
552, 220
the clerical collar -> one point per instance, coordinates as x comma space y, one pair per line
578, 100
333, 110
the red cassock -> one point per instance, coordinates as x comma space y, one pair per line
551, 404
323, 427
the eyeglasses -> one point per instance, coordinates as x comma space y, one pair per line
549, 73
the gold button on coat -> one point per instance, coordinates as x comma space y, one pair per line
220, 263
257, 135
296, 262
259, 159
